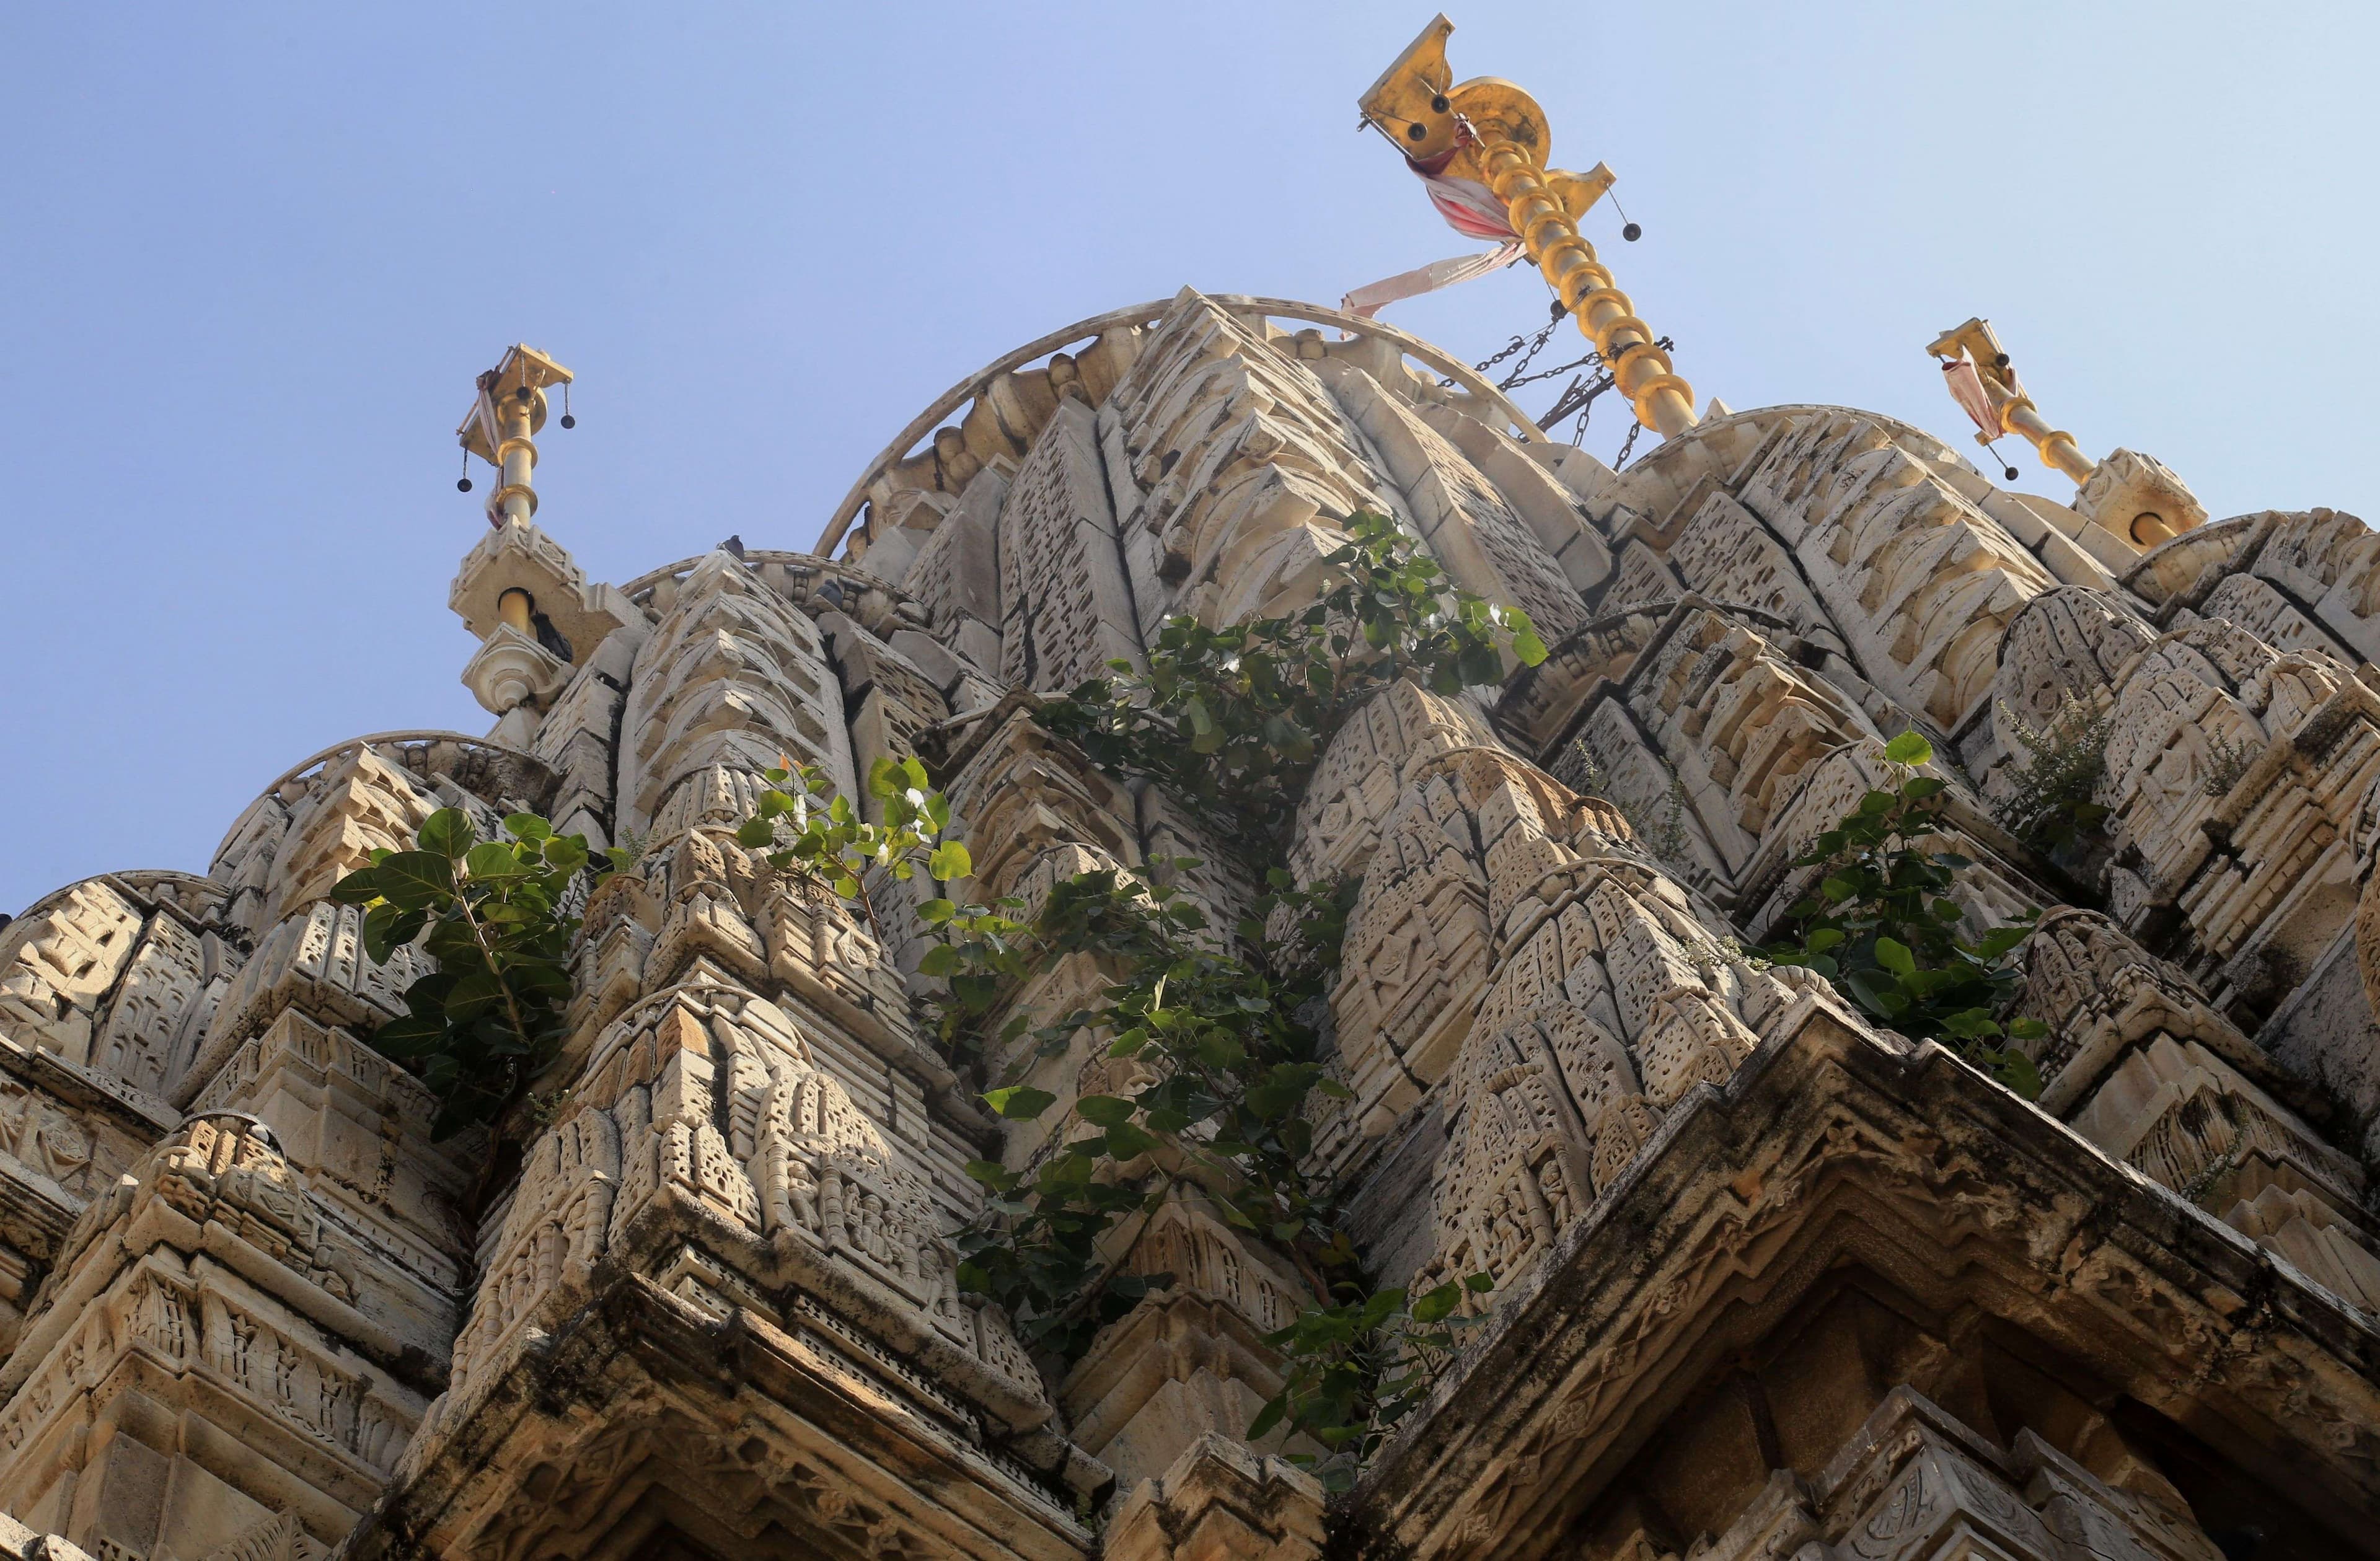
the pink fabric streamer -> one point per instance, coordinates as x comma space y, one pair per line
1369, 299
1470, 209
1966, 388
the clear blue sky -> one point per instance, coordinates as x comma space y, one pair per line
250, 258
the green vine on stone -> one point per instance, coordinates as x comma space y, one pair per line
1233, 720
1226, 1062
1881, 925
801, 824
2052, 803
497, 918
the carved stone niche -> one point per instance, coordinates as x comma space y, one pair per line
2140, 1064
1219, 1499
1864, 1298
1363, 772
1022, 793
1471, 860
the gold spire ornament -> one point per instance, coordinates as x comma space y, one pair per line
1486, 132
510, 409
1982, 381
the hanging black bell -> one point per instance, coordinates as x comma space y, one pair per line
568, 421
2010, 473
462, 485
1632, 233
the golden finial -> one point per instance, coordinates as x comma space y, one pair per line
510, 408
1489, 134
1984, 383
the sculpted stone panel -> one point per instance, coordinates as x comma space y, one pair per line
2328, 561
1231, 463
326, 816
1725, 553
733, 677
271, 1342
1363, 772
1918, 580
1495, 891
709, 1102
62, 959
2234, 771
1482, 540
1193, 1363
314, 963
2065, 645
1069, 611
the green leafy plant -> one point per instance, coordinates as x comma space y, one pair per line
1230, 1059
1661, 834
2227, 763
1351, 1372
496, 917
1220, 1028
802, 824
2051, 804
1233, 720
1882, 926
1228, 1063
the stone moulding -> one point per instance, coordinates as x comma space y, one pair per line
741, 1424
1834, 1148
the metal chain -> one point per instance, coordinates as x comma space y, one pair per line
1578, 395
1517, 378
1534, 343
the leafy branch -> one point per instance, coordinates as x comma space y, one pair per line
803, 825
1225, 1064
496, 917
1233, 720
2052, 799
1882, 926
1351, 1372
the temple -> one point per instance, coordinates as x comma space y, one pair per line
1770, 1279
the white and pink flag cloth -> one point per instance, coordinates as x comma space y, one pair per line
1470, 209
1966, 388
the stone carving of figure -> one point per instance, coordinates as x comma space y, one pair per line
43, 1138
1554, 1186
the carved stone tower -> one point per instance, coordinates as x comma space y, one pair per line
1770, 1280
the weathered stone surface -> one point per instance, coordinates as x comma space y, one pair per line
1768, 1281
